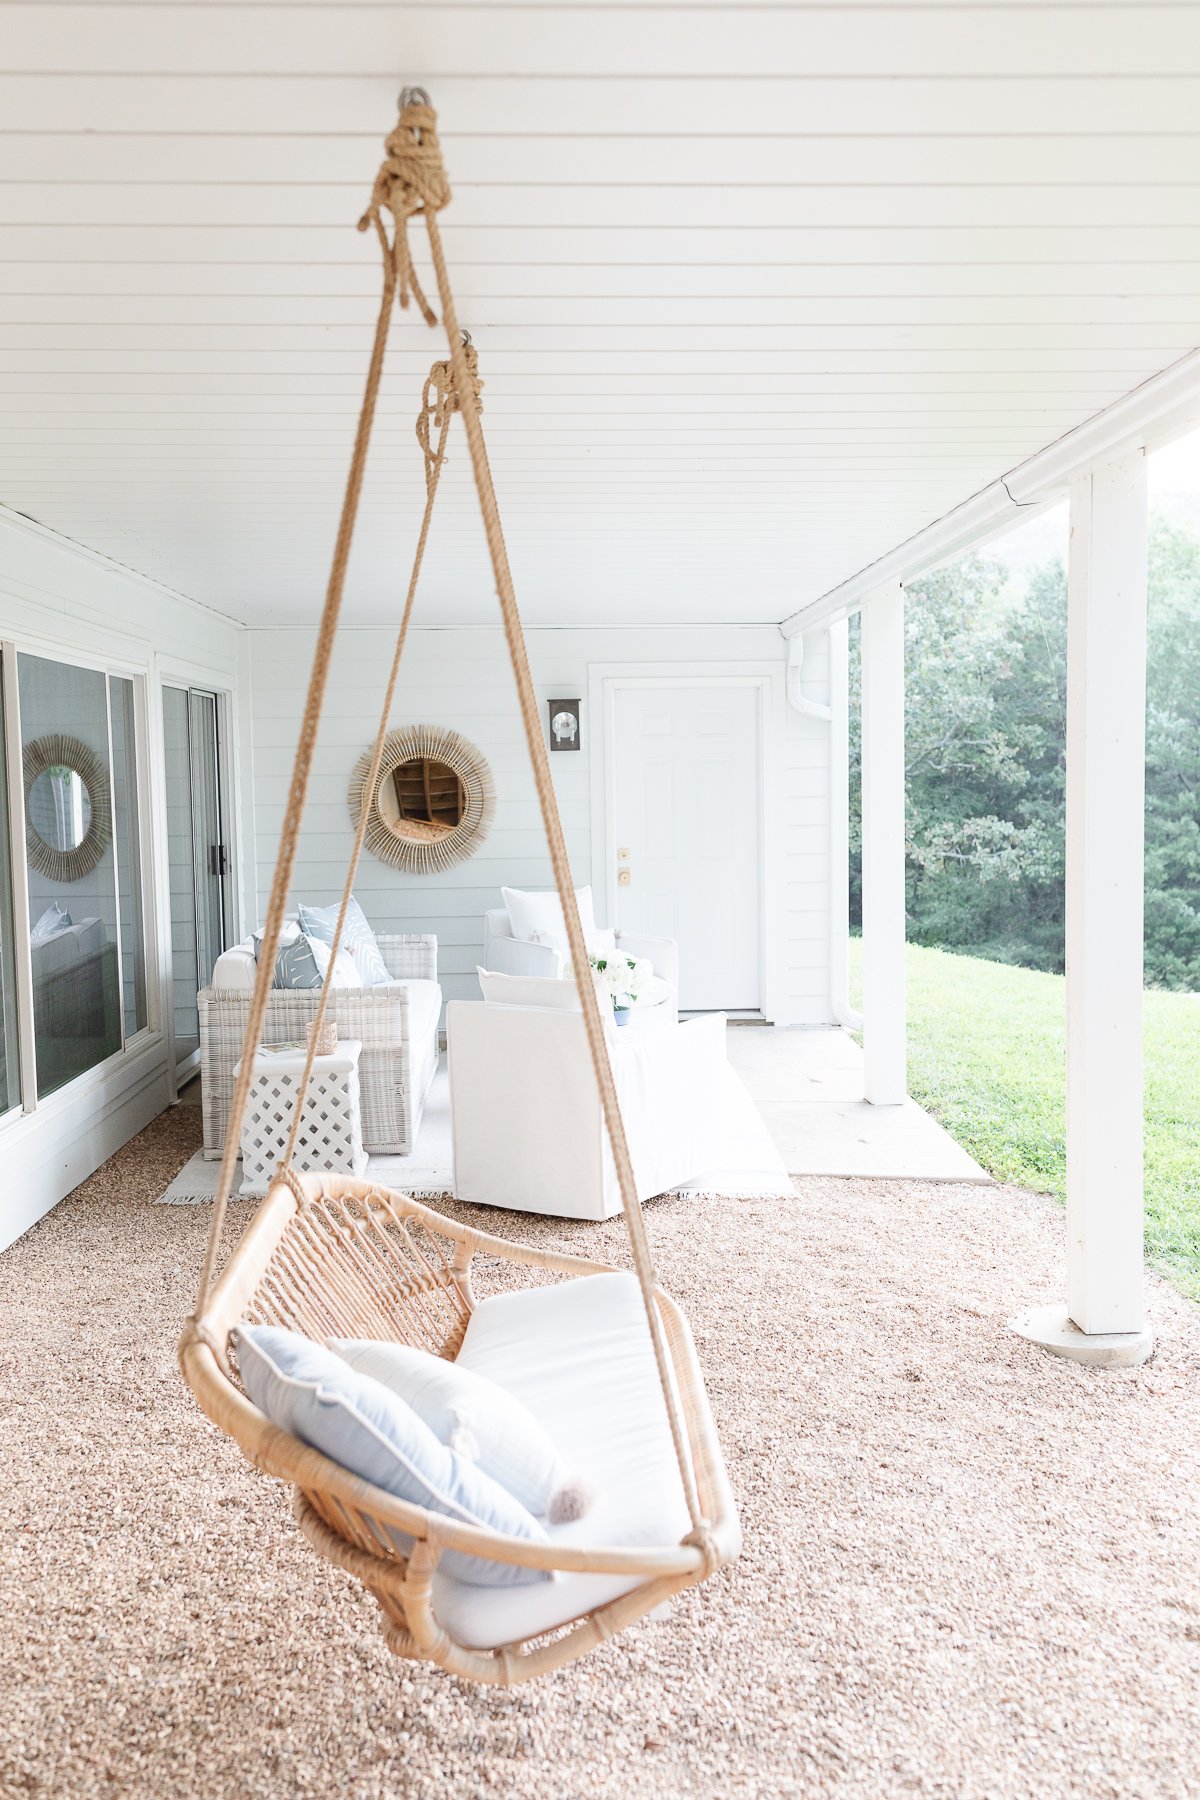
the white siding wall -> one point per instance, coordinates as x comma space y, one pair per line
461, 678
57, 599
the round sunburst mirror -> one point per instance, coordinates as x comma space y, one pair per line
433, 801
68, 808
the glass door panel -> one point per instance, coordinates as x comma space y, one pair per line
10, 1065
207, 837
77, 1010
196, 853
127, 826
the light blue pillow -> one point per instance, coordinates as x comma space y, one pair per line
357, 937
310, 1392
479, 1419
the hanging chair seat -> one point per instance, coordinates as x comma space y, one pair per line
579, 1355
332, 1256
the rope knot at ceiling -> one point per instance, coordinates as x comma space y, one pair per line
411, 179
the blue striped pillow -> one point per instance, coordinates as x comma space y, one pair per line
320, 921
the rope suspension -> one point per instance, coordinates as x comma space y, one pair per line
410, 181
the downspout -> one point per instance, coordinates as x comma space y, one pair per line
836, 716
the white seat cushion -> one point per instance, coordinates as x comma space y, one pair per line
424, 1017
579, 1356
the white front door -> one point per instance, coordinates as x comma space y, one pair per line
685, 846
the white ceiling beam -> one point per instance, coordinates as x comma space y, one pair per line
1165, 406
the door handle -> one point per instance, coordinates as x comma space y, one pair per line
624, 877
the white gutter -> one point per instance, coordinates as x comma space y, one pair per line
1165, 406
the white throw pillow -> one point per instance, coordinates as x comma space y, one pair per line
537, 918
52, 921
478, 1420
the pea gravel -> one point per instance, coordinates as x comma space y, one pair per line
969, 1570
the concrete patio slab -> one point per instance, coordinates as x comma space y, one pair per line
808, 1086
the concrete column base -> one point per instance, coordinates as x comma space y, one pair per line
1054, 1330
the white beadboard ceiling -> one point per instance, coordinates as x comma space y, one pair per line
759, 290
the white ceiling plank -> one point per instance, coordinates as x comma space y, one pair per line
723, 42
789, 205
570, 103
357, 276
84, 159
529, 247
276, 312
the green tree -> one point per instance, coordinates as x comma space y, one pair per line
985, 723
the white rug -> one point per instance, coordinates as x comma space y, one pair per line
750, 1168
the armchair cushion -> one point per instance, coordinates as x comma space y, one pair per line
537, 918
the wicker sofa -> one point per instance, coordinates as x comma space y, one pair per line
397, 1024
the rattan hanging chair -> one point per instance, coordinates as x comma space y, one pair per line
332, 1256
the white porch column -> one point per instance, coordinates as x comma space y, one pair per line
839, 828
1103, 1321
884, 1018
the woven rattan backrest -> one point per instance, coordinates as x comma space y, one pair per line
345, 1267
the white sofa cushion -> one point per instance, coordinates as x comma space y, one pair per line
234, 968
578, 1354
537, 918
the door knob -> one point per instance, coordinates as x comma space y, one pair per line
624, 877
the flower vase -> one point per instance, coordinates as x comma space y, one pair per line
621, 1014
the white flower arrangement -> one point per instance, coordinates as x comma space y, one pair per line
622, 977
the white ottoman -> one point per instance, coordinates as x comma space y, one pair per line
330, 1136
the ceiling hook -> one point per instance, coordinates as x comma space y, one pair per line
466, 337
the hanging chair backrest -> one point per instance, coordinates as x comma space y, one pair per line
362, 1268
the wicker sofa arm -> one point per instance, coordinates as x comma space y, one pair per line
410, 956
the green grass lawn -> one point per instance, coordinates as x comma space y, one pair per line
987, 1056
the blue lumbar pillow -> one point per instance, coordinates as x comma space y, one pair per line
357, 937
353, 1419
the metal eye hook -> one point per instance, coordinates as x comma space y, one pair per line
413, 96
466, 337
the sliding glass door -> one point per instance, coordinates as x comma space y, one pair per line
83, 865
196, 851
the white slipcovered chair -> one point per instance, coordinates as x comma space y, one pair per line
528, 1132
507, 955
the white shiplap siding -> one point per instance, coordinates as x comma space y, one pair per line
462, 679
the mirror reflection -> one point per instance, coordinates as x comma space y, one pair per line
422, 800
60, 807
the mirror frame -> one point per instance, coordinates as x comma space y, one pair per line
49, 752
413, 743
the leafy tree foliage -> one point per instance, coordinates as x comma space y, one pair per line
986, 723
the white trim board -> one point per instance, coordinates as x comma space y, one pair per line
769, 679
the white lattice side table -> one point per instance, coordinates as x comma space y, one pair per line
330, 1136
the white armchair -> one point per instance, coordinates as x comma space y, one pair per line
527, 1126
508, 956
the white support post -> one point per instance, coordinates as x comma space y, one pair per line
839, 828
1103, 1321
884, 1016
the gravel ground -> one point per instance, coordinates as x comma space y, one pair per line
970, 1570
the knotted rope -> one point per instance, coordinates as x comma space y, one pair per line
440, 401
402, 186
411, 179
